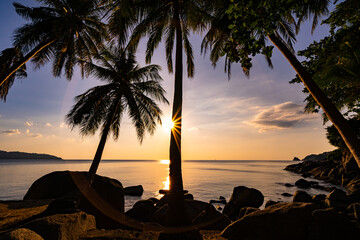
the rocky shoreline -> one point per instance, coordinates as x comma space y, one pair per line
60, 205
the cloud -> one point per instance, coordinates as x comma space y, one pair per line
48, 124
32, 135
63, 125
193, 129
29, 124
282, 116
11, 132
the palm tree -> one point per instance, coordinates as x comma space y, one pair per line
62, 30
8, 57
172, 20
282, 39
129, 88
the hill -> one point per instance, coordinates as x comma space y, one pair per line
23, 155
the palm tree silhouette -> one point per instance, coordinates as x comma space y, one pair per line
172, 21
62, 30
129, 89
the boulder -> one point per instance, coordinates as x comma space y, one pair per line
318, 198
134, 191
188, 196
286, 194
104, 200
62, 226
243, 197
193, 208
279, 221
142, 210
301, 196
302, 183
288, 185
21, 234
326, 219
337, 199
166, 191
246, 210
210, 219
270, 203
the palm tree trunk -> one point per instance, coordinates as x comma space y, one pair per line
96, 161
347, 134
16, 66
177, 215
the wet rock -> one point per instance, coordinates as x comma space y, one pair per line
154, 200
165, 191
210, 219
62, 226
218, 201
243, 197
21, 234
134, 191
288, 185
286, 195
306, 175
280, 221
301, 196
302, 183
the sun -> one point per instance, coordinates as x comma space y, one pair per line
167, 125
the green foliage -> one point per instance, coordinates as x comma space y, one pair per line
253, 21
334, 156
334, 62
334, 137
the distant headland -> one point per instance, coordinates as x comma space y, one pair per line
24, 155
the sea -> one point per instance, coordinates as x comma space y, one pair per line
205, 179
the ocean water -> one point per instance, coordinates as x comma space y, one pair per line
206, 180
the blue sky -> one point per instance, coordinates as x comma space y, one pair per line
260, 117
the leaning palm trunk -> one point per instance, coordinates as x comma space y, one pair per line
347, 134
5, 76
177, 215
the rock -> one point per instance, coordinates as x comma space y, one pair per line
306, 175
270, 203
302, 183
154, 200
301, 196
242, 197
193, 208
222, 198
104, 200
21, 234
210, 219
218, 201
164, 200
134, 191
246, 210
288, 185
296, 159
328, 224
318, 198
316, 157
354, 210
286, 195
142, 210
62, 226
188, 196
280, 221
337, 199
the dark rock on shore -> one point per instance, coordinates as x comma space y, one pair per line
242, 197
142, 210
104, 200
270, 203
21, 234
134, 191
301, 196
296, 159
210, 219
302, 183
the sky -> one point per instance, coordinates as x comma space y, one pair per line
255, 118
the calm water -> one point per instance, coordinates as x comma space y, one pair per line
206, 180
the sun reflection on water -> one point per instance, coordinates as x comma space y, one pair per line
165, 161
